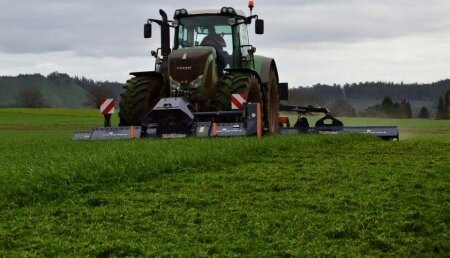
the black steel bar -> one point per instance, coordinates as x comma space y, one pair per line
304, 110
221, 113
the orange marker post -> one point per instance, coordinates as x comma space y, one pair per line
214, 129
132, 132
258, 120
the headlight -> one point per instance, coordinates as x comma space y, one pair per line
197, 82
175, 23
174, 85
232, 21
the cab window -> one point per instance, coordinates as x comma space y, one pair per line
192, 30
243, 40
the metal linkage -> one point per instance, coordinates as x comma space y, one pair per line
304, 110
174, 117
331, 125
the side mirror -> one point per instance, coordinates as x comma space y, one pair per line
259, 26
148, 30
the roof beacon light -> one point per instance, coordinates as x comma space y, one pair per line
251, 4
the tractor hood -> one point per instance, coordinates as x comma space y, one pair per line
188, 67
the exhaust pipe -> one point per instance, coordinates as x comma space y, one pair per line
165, 35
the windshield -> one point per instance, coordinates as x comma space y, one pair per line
193, 31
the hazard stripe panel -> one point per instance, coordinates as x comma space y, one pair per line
238, 100
107, 106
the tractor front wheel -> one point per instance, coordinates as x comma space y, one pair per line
237, 83
139, 96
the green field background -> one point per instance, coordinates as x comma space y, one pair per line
79, 119
279, 196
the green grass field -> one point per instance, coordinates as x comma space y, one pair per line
304, 195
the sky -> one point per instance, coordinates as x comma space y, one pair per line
312, 41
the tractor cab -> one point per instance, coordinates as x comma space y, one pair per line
225, 30
206, 44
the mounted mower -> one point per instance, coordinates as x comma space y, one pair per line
211, 84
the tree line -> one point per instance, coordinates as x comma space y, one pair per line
389, 108
395, 98
98, 90
373, 90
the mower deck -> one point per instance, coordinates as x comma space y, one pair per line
174, 118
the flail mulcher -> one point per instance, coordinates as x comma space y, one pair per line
211, 84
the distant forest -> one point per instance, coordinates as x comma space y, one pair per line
373, 90
356, 99
361, 96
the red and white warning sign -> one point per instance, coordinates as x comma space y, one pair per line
237, 101
106, 106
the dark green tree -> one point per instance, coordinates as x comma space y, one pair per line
342, 107
31, 98
423, 113
387, 102
447, 104
409, 110
388, 108
402, 111
97, 93
441, 112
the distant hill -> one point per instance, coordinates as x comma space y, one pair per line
58, 89
364, 94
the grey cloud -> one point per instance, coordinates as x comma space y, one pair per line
312, 40
357, 22
97, 28
114, 28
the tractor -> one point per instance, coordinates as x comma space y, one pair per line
211, 60
211, 83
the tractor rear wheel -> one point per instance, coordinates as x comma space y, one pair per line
139, 96
272, 103
253, 90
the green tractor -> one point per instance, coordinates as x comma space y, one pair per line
211, 84
211, 60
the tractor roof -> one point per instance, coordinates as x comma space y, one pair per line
213, 11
